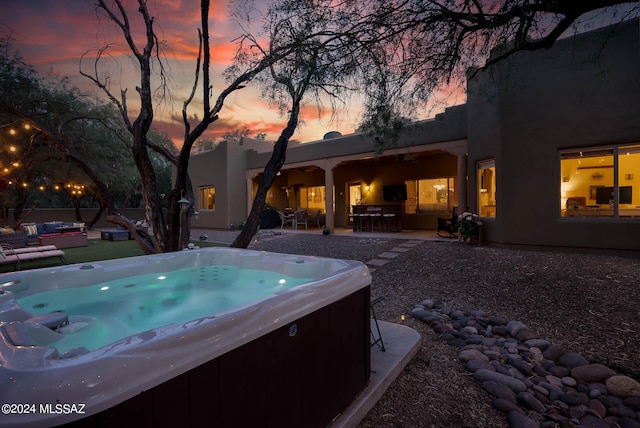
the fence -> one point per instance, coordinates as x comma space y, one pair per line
68, 214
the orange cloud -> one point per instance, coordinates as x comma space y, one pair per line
53, 35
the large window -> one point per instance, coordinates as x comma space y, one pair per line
487, 188
600, 182
208, 198
431, 196
312, 199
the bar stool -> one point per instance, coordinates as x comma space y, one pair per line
388, 219
364, 222
375, 218
357, 222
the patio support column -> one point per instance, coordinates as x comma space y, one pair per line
328, 166
328, 203
462, 183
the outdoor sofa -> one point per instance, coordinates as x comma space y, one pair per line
59, 233
15, 238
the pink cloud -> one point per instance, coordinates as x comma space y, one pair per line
53, 35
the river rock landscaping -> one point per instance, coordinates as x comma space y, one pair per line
536, 383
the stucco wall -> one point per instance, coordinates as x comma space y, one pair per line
448, 126
584, 92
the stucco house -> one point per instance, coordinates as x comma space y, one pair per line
546, 150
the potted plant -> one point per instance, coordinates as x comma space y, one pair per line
325, 229
467, 225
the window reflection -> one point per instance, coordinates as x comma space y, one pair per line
431, 196
487, 188
600, 182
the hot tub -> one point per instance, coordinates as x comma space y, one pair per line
110, 344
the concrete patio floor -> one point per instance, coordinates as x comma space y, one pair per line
401, 345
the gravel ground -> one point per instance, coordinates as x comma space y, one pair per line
587, 303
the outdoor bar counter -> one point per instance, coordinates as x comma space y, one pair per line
377, 218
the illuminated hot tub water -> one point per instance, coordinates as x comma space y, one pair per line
124, 328
109, 311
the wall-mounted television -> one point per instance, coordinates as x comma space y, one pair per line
394, 192
605, 194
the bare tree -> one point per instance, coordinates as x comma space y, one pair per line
422, 44
171, 233
322, 67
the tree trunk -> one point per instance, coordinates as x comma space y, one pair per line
179, 219
21, 198
276, 161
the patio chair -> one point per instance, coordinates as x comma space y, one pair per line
285, 219
448, 225
300, 217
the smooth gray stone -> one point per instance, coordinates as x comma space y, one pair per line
515, 327
519, 420
627, 422
506, 406
591, 373
428, 303
593, 422
420, 313
524, 367
475, 365
472, 354
632, 403
513, 383
553, 352
530, 402
499, 391
498, 321
538, 343
623, 386
573, 359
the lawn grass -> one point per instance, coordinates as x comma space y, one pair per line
97, 249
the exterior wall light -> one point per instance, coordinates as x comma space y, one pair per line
183, 203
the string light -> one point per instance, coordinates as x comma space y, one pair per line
14, 130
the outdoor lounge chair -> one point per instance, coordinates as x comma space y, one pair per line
448, 225
16, 255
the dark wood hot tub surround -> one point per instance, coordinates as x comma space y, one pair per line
303, 374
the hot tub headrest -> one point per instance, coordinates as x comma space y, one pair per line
52, 320
30, 334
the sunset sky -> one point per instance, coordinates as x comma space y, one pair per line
53, 35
